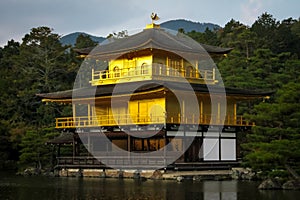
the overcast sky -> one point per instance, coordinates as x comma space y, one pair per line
99, 17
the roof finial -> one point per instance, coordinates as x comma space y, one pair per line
154, 17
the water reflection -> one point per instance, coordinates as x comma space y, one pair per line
220, 190
96, 188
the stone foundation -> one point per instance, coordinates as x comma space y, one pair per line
110, 173
148, 174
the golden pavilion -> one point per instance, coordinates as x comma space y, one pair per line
157, 95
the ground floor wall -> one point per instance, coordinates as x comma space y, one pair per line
200, 145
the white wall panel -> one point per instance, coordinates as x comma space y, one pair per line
211, 149
228, 149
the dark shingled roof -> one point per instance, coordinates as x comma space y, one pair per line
106, 90
155, 38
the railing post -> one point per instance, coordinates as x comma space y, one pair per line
93, 73
149, 70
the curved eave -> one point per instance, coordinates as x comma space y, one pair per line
151, 39
92, 93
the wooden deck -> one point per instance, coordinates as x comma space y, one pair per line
134, 163
153, 72
127, 119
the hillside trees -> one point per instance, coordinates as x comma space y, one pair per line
34, 152
84, 41
44, 65
268, 62
8, 117
39, 64
274, 143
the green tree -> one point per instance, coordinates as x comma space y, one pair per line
285, 39
34, 152
84, 41
43, 63
229, 33
43, 58
234, 71
274, 143
207, 37
296, 28
265, 27
119, 35
7, 149
8, 79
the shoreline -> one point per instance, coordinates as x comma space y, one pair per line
230, 174
242, 174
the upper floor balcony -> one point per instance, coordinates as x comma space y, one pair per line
153, 72
127, 119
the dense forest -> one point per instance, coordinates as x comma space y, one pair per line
265, 56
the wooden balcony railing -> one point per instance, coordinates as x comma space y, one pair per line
152, 72
126, 119
108, 120
117, 161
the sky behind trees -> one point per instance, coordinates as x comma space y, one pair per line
103, 17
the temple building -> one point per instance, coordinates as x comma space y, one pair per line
155, 99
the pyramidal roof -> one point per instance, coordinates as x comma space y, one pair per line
152, 38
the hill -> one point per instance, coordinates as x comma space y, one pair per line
188, 26
70, 39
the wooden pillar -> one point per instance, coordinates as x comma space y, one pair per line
58, 151
185, 155
197, 71
128, 143
148, 144
234, 114
165, 149
167, 61
74, 112
201, 112
219, 113
89, 142
183, 112
74, 147
181, 70
89, 114
77, 149
143, 144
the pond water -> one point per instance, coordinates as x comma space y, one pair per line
17, 187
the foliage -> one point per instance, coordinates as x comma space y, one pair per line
34, 152
119, 35
275, 140
207, 37
70, 39
84, 41
189, 26
39, 64
266, 58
